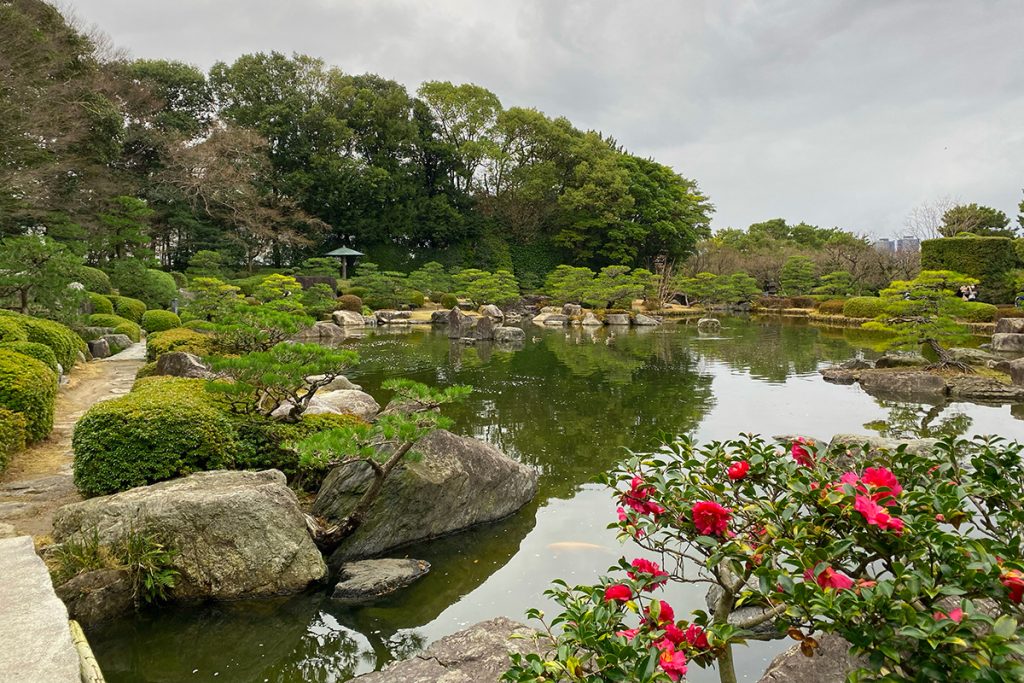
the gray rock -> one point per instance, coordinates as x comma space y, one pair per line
80, 357
1010, 326
1016, 370
895, 359
513, 318
348, 319
7, 530
477, 655
325, 330
709, 325
984, 390
366, 580
555, 319
37, 643
617, 319
339, 382
509, 335
591, 320
181, 364
860, 450
439, 318
99, 348
856, 364
89, 333
484, 330
117, 342
921, 385
369, 321
457, 482
343, 402
645, 320
972, 356
831, 663
1012, 342
492, 311
569, 310
392, 317
459, 323
238, 534
838, 375
97, 596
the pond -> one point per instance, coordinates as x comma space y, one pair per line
568, 403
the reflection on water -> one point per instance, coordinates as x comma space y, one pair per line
568, 403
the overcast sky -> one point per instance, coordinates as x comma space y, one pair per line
845, 113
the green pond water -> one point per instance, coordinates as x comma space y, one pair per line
568, 403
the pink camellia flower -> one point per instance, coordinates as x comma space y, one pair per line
666, 615
674, 634
642, 566
738, 470
881, 478
956, 615
618, 592
639, 497
875, 515
628, 634
696, 637
1014, 582
800, 453
710, 518
830, 578
671, 661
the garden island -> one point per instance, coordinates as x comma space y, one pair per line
305, 376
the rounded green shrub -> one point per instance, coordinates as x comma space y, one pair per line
832, 306
130, 330
973, 311
414, 298
28, 387
94, 280
12, 435
101, 304
11, 330
178, 339
120, 325
158, 321
164, 428
449, 301
350, 302
40, 352
65, 343
128, 308
864, 307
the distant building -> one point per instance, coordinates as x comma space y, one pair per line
908, 244
885, 245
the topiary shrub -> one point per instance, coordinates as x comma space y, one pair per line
28, 387
989, 259
414, 298
180, 281
158, 321
350, 302
357, 291
166, 427
864, 307
449, 301
130, 330
119, 324
94, 280
128, 308
832, 306
40, 352
155, 287
101, 304
64, 342
178, 339
12, 435
11, 330
972, 311
802, 302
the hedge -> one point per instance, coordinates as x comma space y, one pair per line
28, 387
12, 435
101, 304
94, 280
120, 325
130, 330
11, 330
864, 307
64, 342
972, 311
989, 259
832, 306
178, 339
40, 352
158, 321
166, 427
129, 308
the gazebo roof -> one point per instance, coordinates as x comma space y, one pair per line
344, 251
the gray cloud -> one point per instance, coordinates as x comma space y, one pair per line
837, 112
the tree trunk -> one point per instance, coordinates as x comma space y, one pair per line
723, 608
945, 359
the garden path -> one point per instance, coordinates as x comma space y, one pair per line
39, 479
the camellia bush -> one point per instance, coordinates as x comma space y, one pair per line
914, 557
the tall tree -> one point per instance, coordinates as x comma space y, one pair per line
979, 220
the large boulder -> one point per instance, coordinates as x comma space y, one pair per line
367, 580
1011, 342
484, 330
645, 320
439, 318
973, 356
348, 319
1016, 368
617, 319
922, 385
97, 596
859, 450
477, 655
591, 320
831, 663
392, 317
556, 319
237, 534
571, 310
1010, 326
339, 382
459, 324
343, 402
896, 359
457, 482
120, 342
980, 389
492, 311
99, 348
509, 335
182, 364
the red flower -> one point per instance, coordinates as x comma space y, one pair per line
642, 566
956, 615
619, 592
674, 634
738, 470
830, 578
672, 661
801, 454
696, 637
710, 518
876, 515
628, 634
666, 615
881, 478
1014, 582
638, 497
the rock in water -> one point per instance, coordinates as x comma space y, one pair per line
458, 323
367, 580
897, 359
477, 655
569, 310
238, 534
617, 319
97, 596
509, 335
484, 330
492, 311
457, 482
910, 385
645, 320
709, 325
348, 319
591, 320
181, 364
